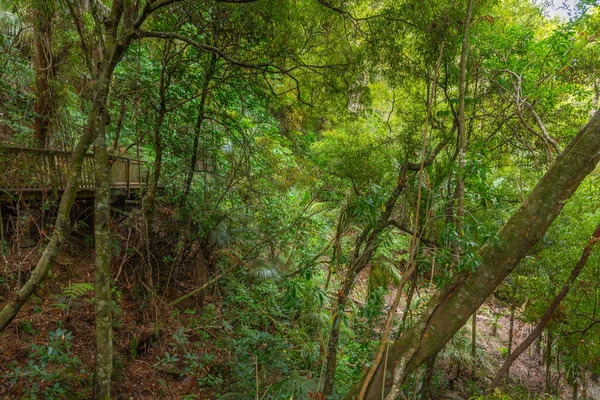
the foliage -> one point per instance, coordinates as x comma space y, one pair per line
277, 132
53, 371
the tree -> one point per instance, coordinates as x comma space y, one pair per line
537, 330
450, 308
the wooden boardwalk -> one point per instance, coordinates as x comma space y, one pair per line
36, 174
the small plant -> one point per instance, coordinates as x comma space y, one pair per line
72, 295
52, 371
495, 322
503, 351
184, 360
27, 327
78, 290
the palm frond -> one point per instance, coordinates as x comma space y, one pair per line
264, 272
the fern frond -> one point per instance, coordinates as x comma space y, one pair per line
235, 396
296, 386
76, 290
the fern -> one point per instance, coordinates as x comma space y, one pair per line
296, 386
235, 396
77, 290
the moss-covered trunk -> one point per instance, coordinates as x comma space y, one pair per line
61, 230
102, 303
451, 307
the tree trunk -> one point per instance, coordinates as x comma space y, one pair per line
511, 326
450, 308
198, 130
61, 230
334, 336
407, 310
43, 60
548, 357
102, 280
360, 259
462, 138
114, 46
150, 203
412, 265
575, 384
474, 340
427, 389
510, 329
535, 333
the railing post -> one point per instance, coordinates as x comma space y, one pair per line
127, 175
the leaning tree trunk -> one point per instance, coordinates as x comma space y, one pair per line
368, 242
360, 259
61, 229
535, 333
451, 307
334, 335
114, 43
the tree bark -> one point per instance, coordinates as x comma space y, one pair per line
427, 389
451, 307
462, 137
149, 206
474, 339
548, 357
102, 280
511, 325
360, 259
210, 70
43, 59
334, 336
535, 333
61, 230
114, 46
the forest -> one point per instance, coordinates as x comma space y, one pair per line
299, 199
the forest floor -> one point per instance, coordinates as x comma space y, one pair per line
28, 363
527, 373
143, 330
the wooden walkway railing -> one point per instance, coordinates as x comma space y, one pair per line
37, 170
